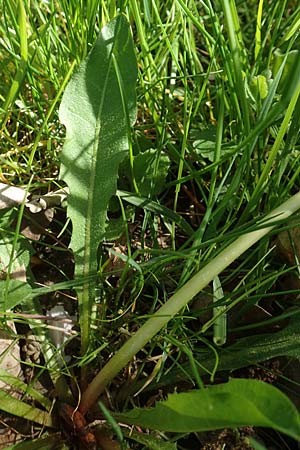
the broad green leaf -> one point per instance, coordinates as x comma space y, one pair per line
155, 207
150, 172
14, 258
14, 261
18, 408
256, 445
247, 351
278, 59
97, 109
13, 293
234, 404
204, 143
259, 86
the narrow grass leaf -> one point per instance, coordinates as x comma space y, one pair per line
22, 66
150, 205
238, 403
18, 408
258, 29
13, 293
98, 108
247, 351
19, 386
293, 29
180, 299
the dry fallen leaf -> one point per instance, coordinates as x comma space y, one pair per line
9, 356
42, 202
11, 196
34, 224
288, 245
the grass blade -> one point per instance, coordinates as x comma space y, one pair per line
180, 299
18, 408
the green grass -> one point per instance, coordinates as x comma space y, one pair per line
213, 98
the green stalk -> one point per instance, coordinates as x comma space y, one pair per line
220, 315
180, 299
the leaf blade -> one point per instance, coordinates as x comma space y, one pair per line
98, 108
239, 402
18, 408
